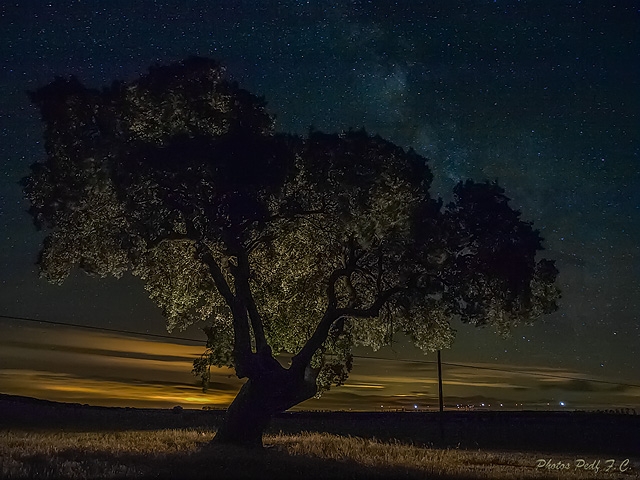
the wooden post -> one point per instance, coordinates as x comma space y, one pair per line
440, 419
440, 383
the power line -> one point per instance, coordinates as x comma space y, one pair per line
104, 329
403, 360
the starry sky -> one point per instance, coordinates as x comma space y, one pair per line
543, 96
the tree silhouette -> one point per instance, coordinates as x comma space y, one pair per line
309, 245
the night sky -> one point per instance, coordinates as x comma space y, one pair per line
543, 96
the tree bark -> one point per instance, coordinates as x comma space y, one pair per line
273, 391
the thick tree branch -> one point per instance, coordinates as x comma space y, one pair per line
242, 340
372, 310
243, 290
257, 325
331, 288
216, 273
332, 314
353, 294
303, 358
151, 244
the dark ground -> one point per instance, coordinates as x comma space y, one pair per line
608, 434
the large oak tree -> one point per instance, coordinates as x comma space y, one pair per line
280, 243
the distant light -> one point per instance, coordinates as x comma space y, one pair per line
483, 404
415, 406
562, 404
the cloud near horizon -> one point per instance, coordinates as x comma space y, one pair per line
109, 369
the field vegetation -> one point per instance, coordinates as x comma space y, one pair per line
186, 453
47, 440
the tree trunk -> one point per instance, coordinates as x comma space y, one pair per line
275, 390
245, 420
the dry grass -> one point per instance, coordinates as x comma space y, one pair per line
434, 463
186, 453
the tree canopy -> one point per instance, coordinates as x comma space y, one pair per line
310, 245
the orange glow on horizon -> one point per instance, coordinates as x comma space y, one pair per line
115, 370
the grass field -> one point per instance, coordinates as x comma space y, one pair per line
42, 440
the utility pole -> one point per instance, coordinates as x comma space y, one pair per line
440, 383
440, 417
